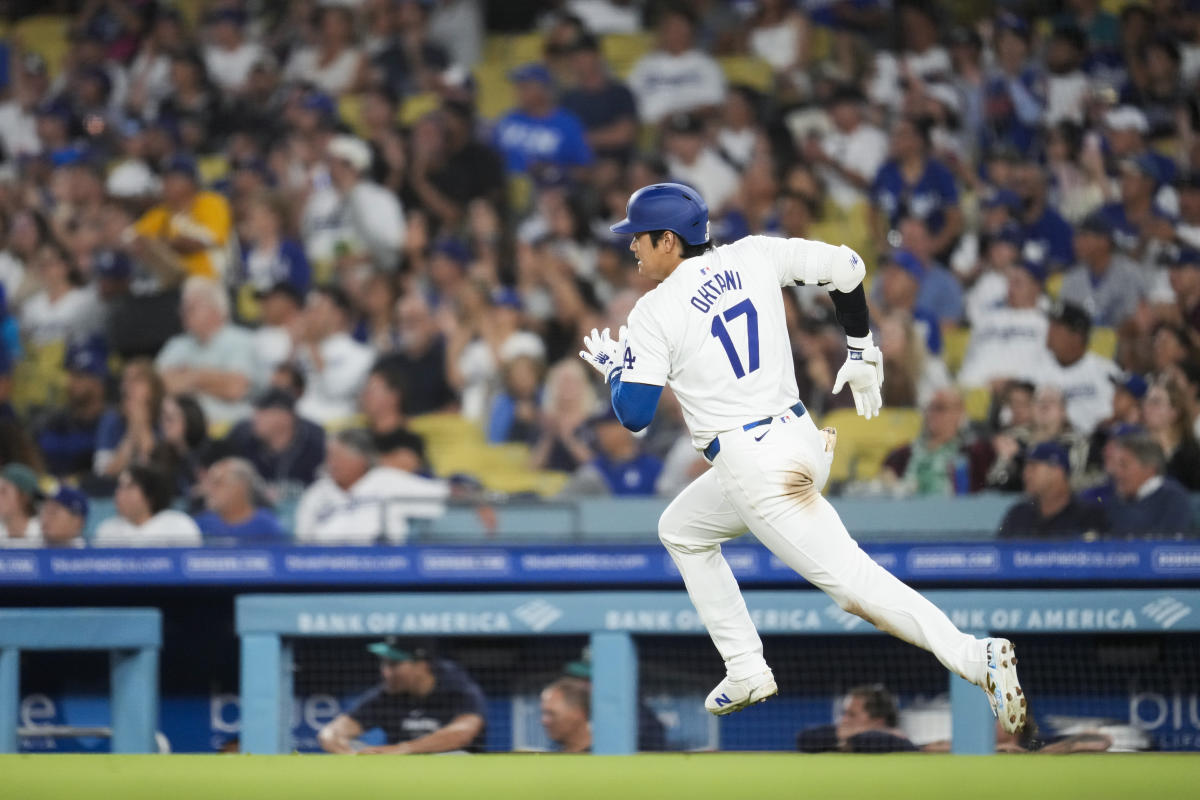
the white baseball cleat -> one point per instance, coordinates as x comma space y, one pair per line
731, 695
1002, 687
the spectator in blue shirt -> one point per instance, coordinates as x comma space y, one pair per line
912, 183
1146, 502
1049, 238
67, 437
285, 449
604, 105
268, 257
1136, 218
899, 289
619, 466
1011, 96
537, 133
232, 495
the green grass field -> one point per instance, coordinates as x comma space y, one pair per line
498, 777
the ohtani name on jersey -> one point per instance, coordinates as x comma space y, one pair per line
713, 288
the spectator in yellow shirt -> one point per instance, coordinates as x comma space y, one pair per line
187, 234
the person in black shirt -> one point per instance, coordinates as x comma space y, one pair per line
423, 705
285, 449
1051, 509
67, 436
605, 106
383, 400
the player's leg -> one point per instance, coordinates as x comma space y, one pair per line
692, 528
774, 491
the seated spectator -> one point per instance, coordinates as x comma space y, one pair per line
280, 308
335, 366
676, 76
604, 105
909, 174
128, 434
420, 357
212, 359
568, 400
1168, 420
619, 466
1107, 284
63, 517
566, 714
868, 724
1146, 502
1048, 423
383, 401
1007, 341
182, 444
424, 705
187, 234
233, 497
229, 54
1136, 219
1001, 249
850, 155
350, 221
693, 161
1083, 376
286, 450
483, 342
1048, 237
914, 375
514, 415
19, 525
538, 134
144, 514
64, 310
357, 502
1183, 276
898, 290
269, 257
331, 63
450, 168
68, 436
1051, 510
945, 459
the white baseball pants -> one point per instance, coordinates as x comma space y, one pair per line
769, 480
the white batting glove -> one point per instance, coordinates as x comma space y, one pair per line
603, 352
863, 371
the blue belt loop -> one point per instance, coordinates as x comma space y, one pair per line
714, 447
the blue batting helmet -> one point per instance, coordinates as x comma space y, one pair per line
666, 207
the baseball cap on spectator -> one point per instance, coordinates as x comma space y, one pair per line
131, 179
1051, 453
452, 249
507, 297
534, 72
284, 288
1010, 232
55, 109
319, 102
1127, 118
182, 164
1002, 198
21, 476
1144, 164
906, 261
1097, 224
685, 123
68, 156
111, 265
352, 150
1071, 316
274, 397
1036, 269
1008, 21
88, 356
1130, 382
392, 648
73, 500
1124, 429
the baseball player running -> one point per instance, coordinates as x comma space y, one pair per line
714, 330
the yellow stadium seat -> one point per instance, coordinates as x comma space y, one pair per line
39, 378
748, 70
954, 347
523, 48
978, 402
45, 34
417, 106
863, 444
1054, 285
212, 168
494, 92
349, 107
622, 50
1103, 342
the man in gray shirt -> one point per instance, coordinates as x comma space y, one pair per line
1106, 283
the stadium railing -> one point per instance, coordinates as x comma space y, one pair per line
626, 628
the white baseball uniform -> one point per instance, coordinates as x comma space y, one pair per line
714, 330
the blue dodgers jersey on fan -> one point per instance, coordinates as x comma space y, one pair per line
262, 528
526, 141
404, 717
634, 477
928, 198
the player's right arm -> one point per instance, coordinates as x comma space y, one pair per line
339, 735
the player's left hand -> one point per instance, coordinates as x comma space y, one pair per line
603, 352
863, 371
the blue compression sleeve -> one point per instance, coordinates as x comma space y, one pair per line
634, 402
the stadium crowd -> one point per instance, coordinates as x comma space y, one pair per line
245, 250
